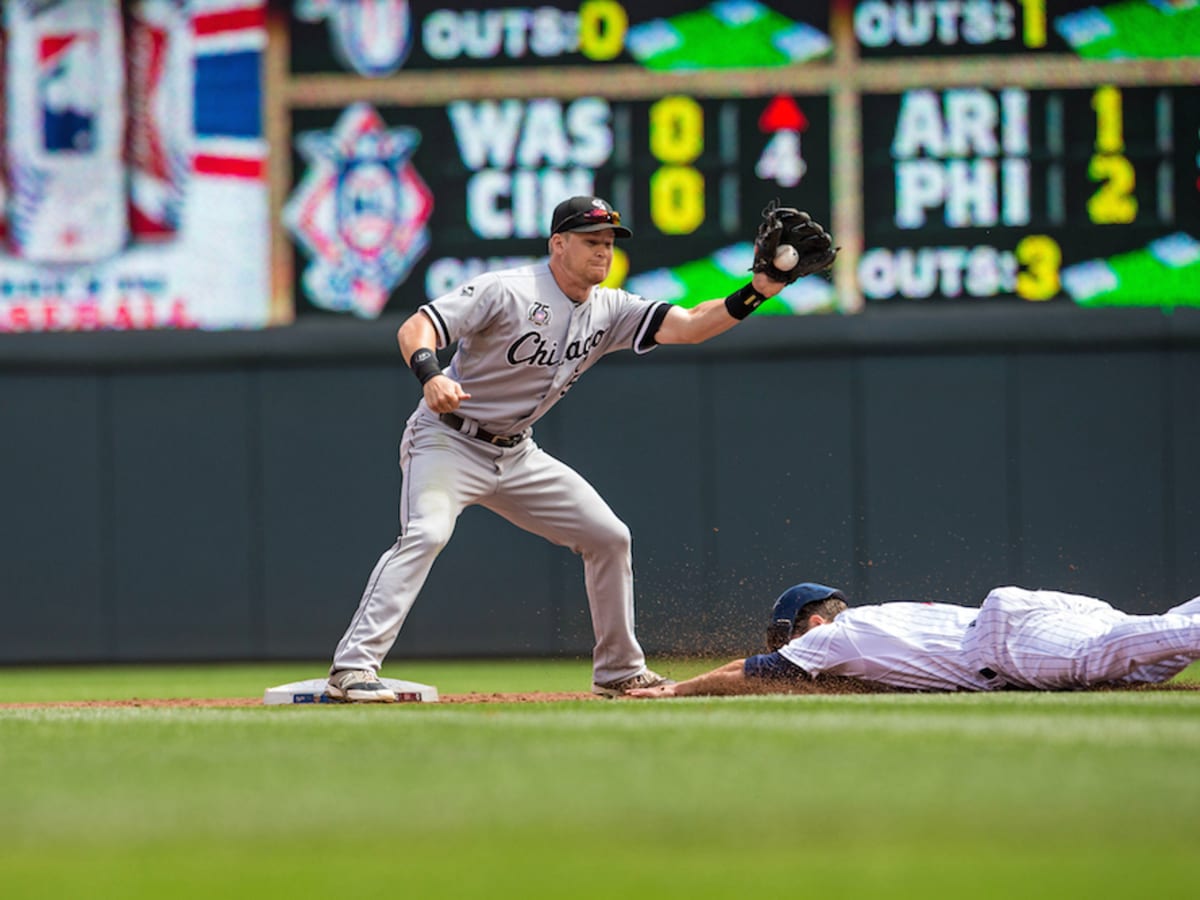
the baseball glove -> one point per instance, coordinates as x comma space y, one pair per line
790, 245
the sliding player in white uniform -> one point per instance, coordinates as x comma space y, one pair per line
524, 337
1022, 639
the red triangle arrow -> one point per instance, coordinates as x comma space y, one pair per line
782, 114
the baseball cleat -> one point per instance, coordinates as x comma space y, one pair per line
359, 686
644, 679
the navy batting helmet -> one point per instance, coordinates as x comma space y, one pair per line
788, 606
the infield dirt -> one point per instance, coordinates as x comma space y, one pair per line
479, 697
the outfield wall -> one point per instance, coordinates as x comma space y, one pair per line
191, 496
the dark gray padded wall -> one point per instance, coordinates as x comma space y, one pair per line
491, 592
186, 515
639, 431
221, 496
1094, 488
784, 433
55, 536
1183, 460
330, 479
935, 477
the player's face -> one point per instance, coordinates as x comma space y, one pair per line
588, 255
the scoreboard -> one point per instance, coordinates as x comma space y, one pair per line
675, 166
984, 151
986, 192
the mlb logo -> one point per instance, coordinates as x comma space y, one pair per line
368, 204
372, 37
361, 211
66, 91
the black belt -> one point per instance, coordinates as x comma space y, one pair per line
500, 440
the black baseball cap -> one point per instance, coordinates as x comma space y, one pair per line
587, 214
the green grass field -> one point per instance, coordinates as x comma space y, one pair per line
1002, 795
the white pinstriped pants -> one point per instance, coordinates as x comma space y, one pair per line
444, 472
1052, 641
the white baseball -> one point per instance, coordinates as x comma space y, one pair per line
786, 258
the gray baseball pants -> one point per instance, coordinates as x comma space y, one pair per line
444, 472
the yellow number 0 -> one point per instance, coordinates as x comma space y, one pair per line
677, 199
602, 27
676, 189
1041, 257
676, 130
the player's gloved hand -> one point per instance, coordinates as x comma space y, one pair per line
443, 394
791, 244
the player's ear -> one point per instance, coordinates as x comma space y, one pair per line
815, 620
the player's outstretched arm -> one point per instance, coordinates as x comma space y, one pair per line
728, 679
710, 318
789, 245
766, 674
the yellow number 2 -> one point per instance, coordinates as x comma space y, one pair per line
1114, 202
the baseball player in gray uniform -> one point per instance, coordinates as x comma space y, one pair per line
525, 336
1017, 639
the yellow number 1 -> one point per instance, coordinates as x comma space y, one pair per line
1110, 119
1035, 22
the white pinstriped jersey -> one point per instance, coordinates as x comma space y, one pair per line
1049, 640
522, 343
907, 645
1045, 640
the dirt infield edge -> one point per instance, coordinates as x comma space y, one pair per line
230, 702
481, 697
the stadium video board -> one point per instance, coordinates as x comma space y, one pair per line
243, 163
1023, 151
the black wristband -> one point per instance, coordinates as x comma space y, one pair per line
424, 364
743, 301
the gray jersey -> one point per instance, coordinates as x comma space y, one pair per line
522, 343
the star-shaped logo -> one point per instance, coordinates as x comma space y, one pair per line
360, 211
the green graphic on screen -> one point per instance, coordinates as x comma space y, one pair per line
724, 272
729, 34
1170, 266
1136, 29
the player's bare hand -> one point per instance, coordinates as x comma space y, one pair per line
650, 693
443, 394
